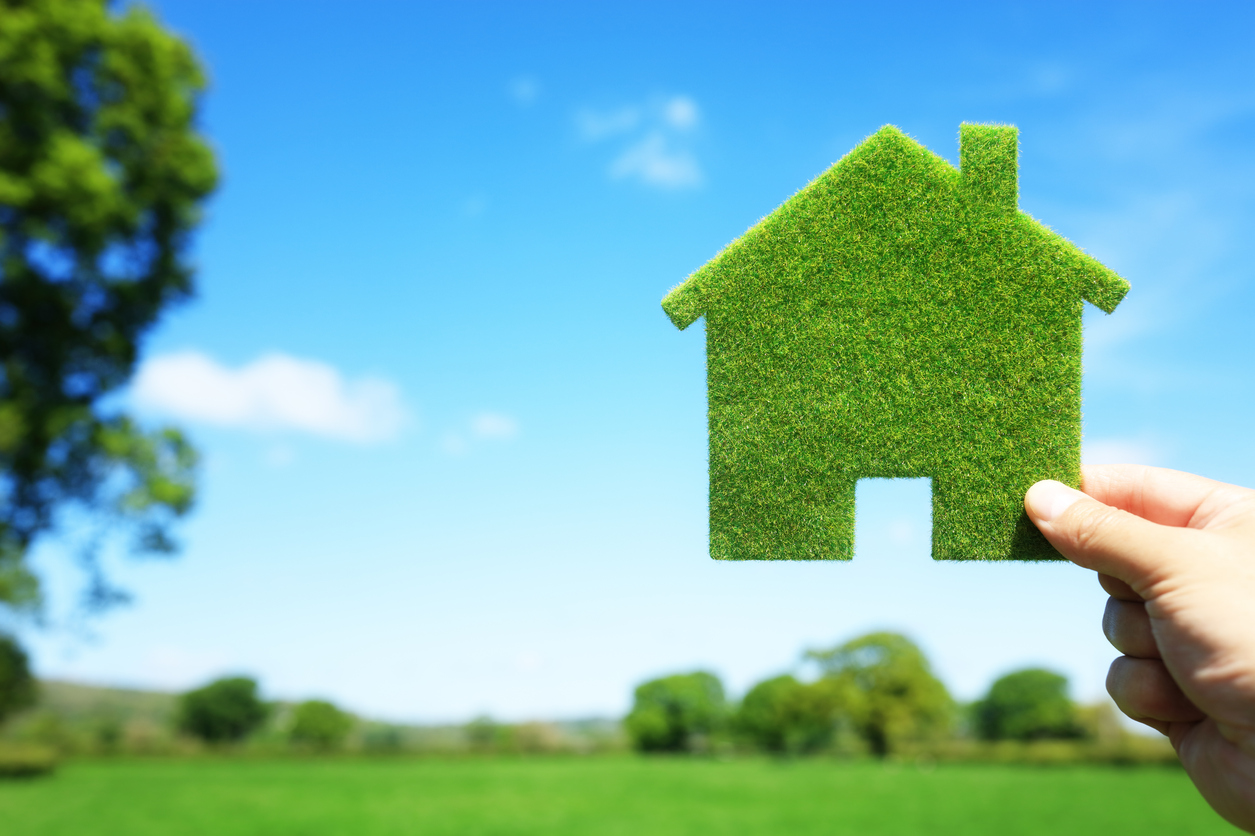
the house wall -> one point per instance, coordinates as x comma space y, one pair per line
883, 324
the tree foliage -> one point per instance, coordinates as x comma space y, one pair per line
894, 696
676, 713
17, 685
102, 174
319, 724
224, 711
485, 734
1030, 704
783, 715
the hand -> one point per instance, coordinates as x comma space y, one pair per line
1176, 553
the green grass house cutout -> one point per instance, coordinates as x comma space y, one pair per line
895, 318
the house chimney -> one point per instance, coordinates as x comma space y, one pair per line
988, 165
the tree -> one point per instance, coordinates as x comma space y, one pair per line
1030, 704
484, 734
17, 686
319, 724
102, 175
224, 711
894, 696
783, 715
676, 713
382, 738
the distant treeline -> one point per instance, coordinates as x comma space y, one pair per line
873, 696
229, 716
877, 695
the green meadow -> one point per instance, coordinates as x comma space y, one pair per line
611, 795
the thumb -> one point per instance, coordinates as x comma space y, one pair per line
1099, 537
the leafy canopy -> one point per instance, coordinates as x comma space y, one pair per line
783, 715
894, 696
319, 724
224, 711
676, 713
17, 686
102, 174
1030, 704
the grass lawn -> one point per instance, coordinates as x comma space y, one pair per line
627, 796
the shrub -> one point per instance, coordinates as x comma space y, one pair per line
319, 724
26, 761
224, 711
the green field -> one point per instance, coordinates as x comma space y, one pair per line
597, 796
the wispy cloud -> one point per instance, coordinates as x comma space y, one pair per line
484, 426
656, 140
594, 125
274, 392
1121, 451
680, 112
657, 162
524, 90
1039, 80
494, 425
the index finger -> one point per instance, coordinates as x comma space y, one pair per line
1163, 496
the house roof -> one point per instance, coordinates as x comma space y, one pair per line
891, 205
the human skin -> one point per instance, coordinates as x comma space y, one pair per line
1176, 553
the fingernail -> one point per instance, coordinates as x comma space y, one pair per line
1047, 500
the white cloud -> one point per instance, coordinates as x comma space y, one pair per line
657, 162
524, 90
657, 136
494, 425
1120, 451
681, 113
594, 125
274, 392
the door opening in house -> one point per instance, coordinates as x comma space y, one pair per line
893, 520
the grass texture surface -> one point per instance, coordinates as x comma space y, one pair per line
599, 797
897, 318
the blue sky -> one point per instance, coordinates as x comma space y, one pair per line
455, 453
